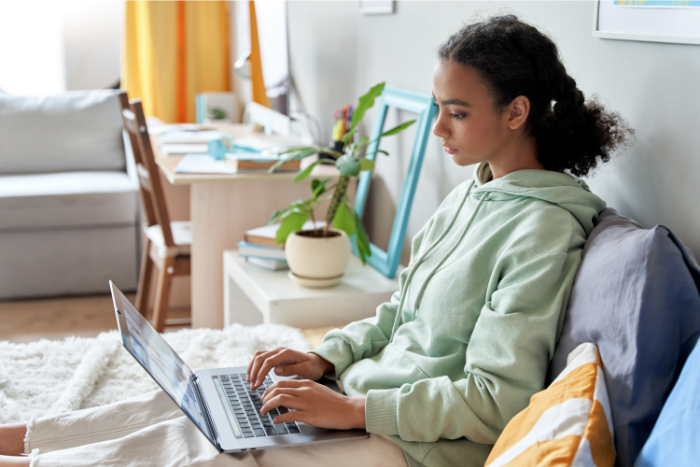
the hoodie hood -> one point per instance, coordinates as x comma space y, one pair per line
570, 193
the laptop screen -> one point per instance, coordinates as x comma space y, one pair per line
158, 359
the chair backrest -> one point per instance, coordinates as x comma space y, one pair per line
152, 195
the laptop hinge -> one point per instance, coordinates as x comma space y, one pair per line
207, 416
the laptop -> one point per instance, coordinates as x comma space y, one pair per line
218, 401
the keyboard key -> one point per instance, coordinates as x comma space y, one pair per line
270, 430
280, 429
248, 435
282, 410
293, 430
259, 432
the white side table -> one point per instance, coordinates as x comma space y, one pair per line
254, 295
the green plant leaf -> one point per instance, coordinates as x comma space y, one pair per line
397, 129
318, 187
307, 171
378, 150
348, 136
331, 152
344, 220
293, 150
366, 102
293, 222
296, 156
362, 240
362, 141
277, 214
366, 164
348, 165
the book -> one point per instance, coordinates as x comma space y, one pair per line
266, 235
202, 164
256, 161
250, 250
168, 150
188, 137
271, 264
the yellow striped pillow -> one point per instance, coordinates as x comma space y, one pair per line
569, 423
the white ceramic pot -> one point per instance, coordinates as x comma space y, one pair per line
317, 262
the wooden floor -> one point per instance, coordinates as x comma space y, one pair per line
30, 320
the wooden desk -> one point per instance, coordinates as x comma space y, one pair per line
222, 208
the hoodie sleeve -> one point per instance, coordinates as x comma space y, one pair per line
506, 360
367, 337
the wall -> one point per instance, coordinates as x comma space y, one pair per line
652, 85
92, 35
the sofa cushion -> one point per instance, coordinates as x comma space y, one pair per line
567, 424
635, 297
67, 200
78, 130
674, 440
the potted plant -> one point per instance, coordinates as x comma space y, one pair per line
318, 257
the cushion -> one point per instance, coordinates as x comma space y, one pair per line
182, 236
635, 297
674, 439
567, 424
79, 130
67, 200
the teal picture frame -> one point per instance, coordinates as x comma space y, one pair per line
387, 262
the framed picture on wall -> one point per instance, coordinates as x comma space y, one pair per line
674, 21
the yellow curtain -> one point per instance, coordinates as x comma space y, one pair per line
256, 71
174, 51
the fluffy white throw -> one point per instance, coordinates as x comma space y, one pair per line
49, 377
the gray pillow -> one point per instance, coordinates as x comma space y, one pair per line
635, 297
73, 131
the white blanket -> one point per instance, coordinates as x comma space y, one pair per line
49, 377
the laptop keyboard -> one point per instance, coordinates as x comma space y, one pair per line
244, 408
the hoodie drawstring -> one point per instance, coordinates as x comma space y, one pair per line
404, 290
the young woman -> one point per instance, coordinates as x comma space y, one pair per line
465, 342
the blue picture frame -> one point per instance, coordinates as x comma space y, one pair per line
387, 262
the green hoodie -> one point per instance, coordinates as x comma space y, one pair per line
463, 345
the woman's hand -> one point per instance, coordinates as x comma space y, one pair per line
287, 362
315, 405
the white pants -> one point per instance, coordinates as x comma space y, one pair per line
150, 430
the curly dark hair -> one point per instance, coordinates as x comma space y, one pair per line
515, 59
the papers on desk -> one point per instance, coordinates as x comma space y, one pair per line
168, 150
169, 128
189, 137
203, 164
260, 145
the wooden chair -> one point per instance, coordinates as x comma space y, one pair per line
167, 244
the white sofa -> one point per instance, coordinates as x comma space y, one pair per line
69, 210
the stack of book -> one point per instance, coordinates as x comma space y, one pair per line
259, 248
